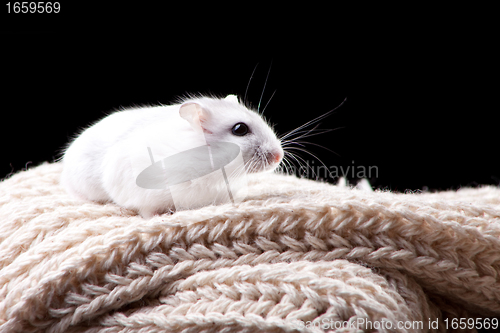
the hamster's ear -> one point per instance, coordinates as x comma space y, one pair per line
195, 115
232, 98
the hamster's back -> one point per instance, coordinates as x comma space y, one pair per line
83, 159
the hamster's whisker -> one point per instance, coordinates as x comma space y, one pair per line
300, 128
309, 133
302, 164
264, 89
281, 170
288, 144
305, 151
319, 160
299, 132
270, 98
296, 157
313, 121
251, 164
248, 85
301, 143
236, 173
287, 165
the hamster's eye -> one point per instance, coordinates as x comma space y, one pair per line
240, 129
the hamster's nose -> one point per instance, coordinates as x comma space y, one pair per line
276, 156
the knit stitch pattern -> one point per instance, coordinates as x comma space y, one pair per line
295, 256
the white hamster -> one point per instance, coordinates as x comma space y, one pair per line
103, 162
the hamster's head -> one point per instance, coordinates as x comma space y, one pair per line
227, 120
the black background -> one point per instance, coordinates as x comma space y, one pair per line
421, 92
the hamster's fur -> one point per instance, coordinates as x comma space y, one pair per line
103, 162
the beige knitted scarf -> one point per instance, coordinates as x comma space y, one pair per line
295, 256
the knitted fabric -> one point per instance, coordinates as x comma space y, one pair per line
295, 254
